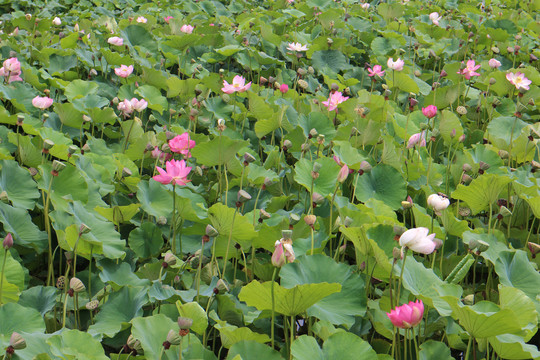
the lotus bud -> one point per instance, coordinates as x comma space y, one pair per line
438, 243
396, 253
461, 110
169, 260
503, 154
398, 230
85, 148
286, 234
310, 220
226, 98
8, 241
16, 341
4, 197
211, 231
173, 338
347, 221
444, 73
243, 196
417, 73
77, 285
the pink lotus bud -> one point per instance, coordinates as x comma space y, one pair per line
284, 88
8, 241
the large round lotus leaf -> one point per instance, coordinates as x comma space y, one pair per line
18, 184
19, 223
341, 345
339, 308
15, 317
253, 350
434, 350
152, 331
146, 240
325, 183
383, 183
41, 298
75, 344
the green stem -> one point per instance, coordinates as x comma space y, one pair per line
199, 269
273, 306
401, 276
2, 275
174, 220
331, 223
292, 336
50, 275
228, 244
468, 348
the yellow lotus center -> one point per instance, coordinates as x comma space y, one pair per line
236, 85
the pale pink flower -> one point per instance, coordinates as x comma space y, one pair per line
417, 139
334, 100
138, 105
395, 65
187, 29
42, 102
437, 202
343, 173
124, 71
56, 21
470, 70
418, 240
296, 47
290, 2
12, 65
377, 70
176, 172
518, 80
434, 17
115, 40
429, 111
494, 63
125, 107
338, 160
182, 144
365, 6
15, 32
408, 315
283, 253
163, 156
238, 85
142, 19
167, 18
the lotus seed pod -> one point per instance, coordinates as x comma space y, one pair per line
320, 139
311, 70
492, 81
310, 220
503, 154
286, 234
406, 205
60, 282
287, 144
463, 211
461, 110
264, 214
294, 218
533, 248
505, 212
72, 149
249, 158
466, 179
92, 305
484, 166
313, 133
397, 254
303, 84
16, 341
84, 229
365, 166
301, 71
481, 246
466, 167
535, 164
347, 221
173, 338
317, 198
211, 231
4, 197
185, 323
77, 285
58, 166
226, 98
48, 144
243, 196
495, 49
222, 286
85, 148
162, 220
169, 259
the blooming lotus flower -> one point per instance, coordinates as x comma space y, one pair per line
418, 240
377, 70
434, 17
365, 6
42, 102
124, 71
182, 144
296, 47
176, 172
518, 80
438, 202
238, 85
429, 111
12, 65
494, 63
395, 65
408, 315
142, 19
138, 105
187, 29
334, 100
283, 253
56, 21
167, 18
115, 40
417, 139
125, 107
470, 70
284, 88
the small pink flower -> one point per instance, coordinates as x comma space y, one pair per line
343, 173
494, 63
238, 85
142, 19
429, 111
283, 253
176, 172
124, 71
167, 18
408, 315
56, 21
470, 70
8, 241
115, 40
518, 80
395, 65
377, 70
42, 102
187, 29
417, 139
365, 6
163, 156
434, 17
334, 100
138, 105
182, 144
296, 47
284, 88
125, 107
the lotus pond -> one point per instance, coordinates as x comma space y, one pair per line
302, 179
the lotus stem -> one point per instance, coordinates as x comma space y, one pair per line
273, 306
2, 274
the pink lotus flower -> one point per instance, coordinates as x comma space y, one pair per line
238, 85
124, 71
296, 47
429, 111
42, 102
494, 63
418, 240
518, 80
187, 29
138, 105
334, 100
408, 315
395, 65
343, 173
56, 21
167, 18
163, 156
284, 88
470, 70
377, 70
115, 40
182, 144
437, 202
283, 253
417, 139
125, 107
142, 19
177, 173
12, 65
365, 6
434, 17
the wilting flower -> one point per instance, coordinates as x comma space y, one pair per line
283, 253
395, 65
124, 71
494, 63
115, 40
182, 144
188, 29
429, 111
434, 17
296, 47
417, 139
167, 18
42, 102
126, 107
418, 240
11, 69
518, 80
56, 21
142, 19
334, 100
138, 105
408, 315
470, 70
377, 70
238, 85
176, 172
438, 202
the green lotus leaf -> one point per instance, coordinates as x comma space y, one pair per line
341, 345
196, 313
434, 350
383, 183
146, 241
510, 346
41, 298
248, 349
19, 223
227, 223
18, 184
152, 331
482, 191
76, 344
217, 151
15, 317
325, 183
